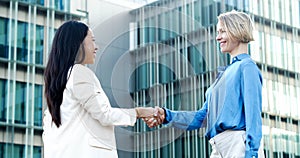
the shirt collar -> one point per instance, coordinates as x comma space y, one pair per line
240, 57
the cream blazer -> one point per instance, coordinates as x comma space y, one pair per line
88, 120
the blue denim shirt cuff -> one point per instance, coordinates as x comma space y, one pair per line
167, 115
251, 154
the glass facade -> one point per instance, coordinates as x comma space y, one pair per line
176, 58
60, 5
26, 30
22, 41
17, 151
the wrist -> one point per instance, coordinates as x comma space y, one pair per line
137, 112
166, 112
164, 115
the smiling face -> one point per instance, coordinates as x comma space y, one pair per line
90, 48
227, 44
235, 31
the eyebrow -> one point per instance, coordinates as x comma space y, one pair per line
220, 28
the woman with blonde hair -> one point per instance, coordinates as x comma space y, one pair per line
233, 106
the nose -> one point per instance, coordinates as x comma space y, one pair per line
96, 47
218, 37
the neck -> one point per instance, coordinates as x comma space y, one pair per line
240, 49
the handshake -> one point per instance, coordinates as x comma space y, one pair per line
151, 116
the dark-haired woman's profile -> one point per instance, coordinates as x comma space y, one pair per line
79, 121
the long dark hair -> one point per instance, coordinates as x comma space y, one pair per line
65, 47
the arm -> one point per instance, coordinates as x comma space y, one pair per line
88, 92
187, 120
251, 83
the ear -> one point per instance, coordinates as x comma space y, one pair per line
80, 54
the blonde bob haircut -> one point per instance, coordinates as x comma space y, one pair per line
237, 25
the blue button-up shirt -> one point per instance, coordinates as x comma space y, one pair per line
233, 102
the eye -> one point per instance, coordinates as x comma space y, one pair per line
222, 31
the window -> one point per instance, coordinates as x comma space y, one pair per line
254, 7
37, 152
266, 8
286, 12
3, 38
3, 92
39, 45
22, 42
18, 151
276, 10
20, 103
196, 60
41, 2
295, 12
59, 4
38, 105
12, 150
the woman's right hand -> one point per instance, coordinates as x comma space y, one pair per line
151, 116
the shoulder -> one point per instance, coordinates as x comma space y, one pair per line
82, 68
82, 73
248, 63
250, 69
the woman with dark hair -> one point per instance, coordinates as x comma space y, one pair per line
79, 121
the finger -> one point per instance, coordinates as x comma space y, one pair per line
151, 119
151, 122
162, 117
159, 121
155, 113
154, 123
145, 120
150, 125
148, 120
162, 114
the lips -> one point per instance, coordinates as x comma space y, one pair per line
222, 43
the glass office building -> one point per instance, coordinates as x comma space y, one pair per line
26, 30
172, 57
